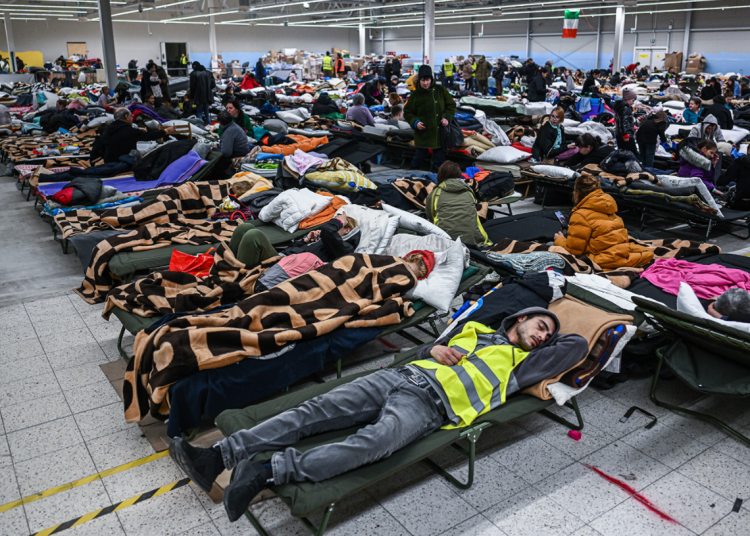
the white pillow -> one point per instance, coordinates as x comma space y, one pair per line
735, 135
503, 155
556, 171
401, 244
441, 285
570, 123
687, 302
376, 228
412, 222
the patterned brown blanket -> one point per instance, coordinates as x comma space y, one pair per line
354, 291
184, 204
161, 293
414, 189
621, 277
98, 280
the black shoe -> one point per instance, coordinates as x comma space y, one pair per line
249, 479
201, 465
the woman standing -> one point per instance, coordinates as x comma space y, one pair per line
428, 108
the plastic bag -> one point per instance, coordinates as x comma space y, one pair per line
197, 265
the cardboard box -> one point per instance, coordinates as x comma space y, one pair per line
673, 60
696, 64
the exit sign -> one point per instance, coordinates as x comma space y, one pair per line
653, 41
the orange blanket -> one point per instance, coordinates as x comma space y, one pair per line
324, 215
304, 144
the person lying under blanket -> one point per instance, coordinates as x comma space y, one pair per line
733, 305
328, 243
465, 374
597, 231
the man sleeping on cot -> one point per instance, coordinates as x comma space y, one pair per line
463, 375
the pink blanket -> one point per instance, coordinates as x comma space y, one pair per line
708, 281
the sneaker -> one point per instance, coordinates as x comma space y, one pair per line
201, 465
250, 478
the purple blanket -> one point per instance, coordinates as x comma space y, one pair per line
178, 171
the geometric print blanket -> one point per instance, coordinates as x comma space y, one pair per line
166, 292
184, 204
354, 291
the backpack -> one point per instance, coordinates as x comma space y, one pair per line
496, 184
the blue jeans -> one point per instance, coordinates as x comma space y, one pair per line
201, 111
395, 411
648, 151
438, 157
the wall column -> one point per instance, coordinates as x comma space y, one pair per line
619, 31
212, 37
11, 43
429, 32
598, 41
686, 38
362, 36
108, 42
471, 39
528, 36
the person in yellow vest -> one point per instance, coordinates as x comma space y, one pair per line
339, 66
469, 372
448, 68
327, 65
474, 84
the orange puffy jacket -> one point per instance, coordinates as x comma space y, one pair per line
597, 231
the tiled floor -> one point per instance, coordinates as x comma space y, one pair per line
61, 420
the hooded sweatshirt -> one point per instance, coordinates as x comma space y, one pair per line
699, 130
557, 354
595, 230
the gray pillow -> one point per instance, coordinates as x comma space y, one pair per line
276, 125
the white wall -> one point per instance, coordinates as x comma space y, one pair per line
132, 40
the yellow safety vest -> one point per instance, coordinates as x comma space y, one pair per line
327, 63
478, 383
183, 60
473, 68
448, 69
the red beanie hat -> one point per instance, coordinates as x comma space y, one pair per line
427, 256
64, 196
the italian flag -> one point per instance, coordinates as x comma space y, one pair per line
570, 26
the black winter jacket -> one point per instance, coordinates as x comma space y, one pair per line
545, 139
201, 85
650, 132
330, 246
722, 114
369, 90
119, 138
537, 90
594, 157
324, 105
624, 120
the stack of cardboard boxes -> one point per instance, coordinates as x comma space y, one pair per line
696, 63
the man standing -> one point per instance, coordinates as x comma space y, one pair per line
183, 64
327, 65
339, 66
201, 91
260, 72
396, 63
448, 74
133, 70
465, 374
483, 71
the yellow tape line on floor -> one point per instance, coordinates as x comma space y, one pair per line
113, 508
82, 481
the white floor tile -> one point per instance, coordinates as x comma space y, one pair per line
704, 432
48, 327
532, 459
26, 366
43, 439
733, 524
26, 389
427, 508
34, 412
209, 529
87, 353
720, 473
625, 463
5, 457
582, 492
476, 526
586, 531
107, 525
91, 396
530, 514
74, 377
632, 517
492, 482
731, 446
14, 522
44, 472
53, 342
360, 515
592, 439
102, 421
171, 513
9, 490
141, 479
606, 417
272, 514
119, 448
686, 501
66, 505
665, 444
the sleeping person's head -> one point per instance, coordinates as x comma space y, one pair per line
348, 224
448, 170
532, 330
733, 303
420, 262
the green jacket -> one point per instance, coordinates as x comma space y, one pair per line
450, 206
247, 124
425, 105
484, 69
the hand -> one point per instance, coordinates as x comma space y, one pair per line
420, 125
446, 356
171, 130
715, 158
559, 234
571, 146
444, 122
712, 311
